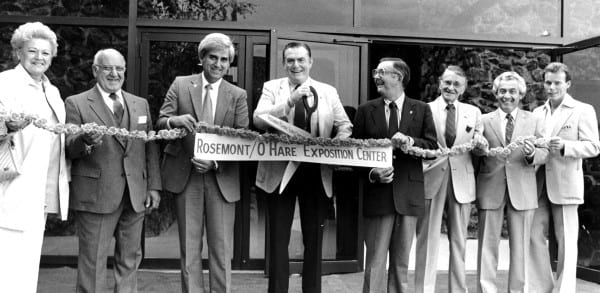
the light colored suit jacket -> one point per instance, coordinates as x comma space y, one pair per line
461, 166
577, 125
497, 173
330, 116
185, 97
100, 177
22, 200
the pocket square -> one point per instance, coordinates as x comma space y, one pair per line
568, 126
142, 119
469, 128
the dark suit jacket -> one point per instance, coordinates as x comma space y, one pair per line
185, 97
99, 178
405, 195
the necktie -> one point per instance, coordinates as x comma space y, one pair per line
450, 134
510, 125
207, 115
299, 114
393, 122
117, 108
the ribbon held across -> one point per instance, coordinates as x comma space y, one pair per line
215, 146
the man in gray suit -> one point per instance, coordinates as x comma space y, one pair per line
204, 190
113, 179
507, 183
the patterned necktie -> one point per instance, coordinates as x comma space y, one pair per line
117, 108
393, 122
510, 125
450, 134
207, 115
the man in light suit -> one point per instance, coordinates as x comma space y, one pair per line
113, 179
507, 182
394, 196
293, 99
449, 181
204, 190
572, 130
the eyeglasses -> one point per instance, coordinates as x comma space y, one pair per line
511, 92
382, 72
109, 69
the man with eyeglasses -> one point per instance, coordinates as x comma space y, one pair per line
113, 180
572, 130
449, 185
315, 107
394, 196
507, 185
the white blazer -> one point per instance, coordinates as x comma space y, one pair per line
22, 200
577, 125
330, 115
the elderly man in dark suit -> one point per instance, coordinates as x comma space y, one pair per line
394, 196
113, 179
204, 190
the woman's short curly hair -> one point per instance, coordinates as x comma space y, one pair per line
33, 30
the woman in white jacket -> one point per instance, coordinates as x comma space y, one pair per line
42, 186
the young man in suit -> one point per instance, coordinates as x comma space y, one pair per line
572, 129
204, 190
287, 98
394, 196
507, 183
449, 183
113, 180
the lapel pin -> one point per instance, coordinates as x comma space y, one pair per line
410, 112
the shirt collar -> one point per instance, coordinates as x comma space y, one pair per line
106, 95
399, 101
513, 113
215, 85
568, 101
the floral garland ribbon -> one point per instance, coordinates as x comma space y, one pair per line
69, 128
176, 133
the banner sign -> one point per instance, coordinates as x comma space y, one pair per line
226, 148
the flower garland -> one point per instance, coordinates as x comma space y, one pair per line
70, 128
176, 133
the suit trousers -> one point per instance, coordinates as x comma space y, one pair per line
490, 230
389, 233
428, 240
566, 230
95, 232
201, 201
307, 186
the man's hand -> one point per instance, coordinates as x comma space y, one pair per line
383, 175
17, 125
402, 138
152, 200
297, 94
480, 142
556, 144
185, 121
202, 166
528, 148
92, 138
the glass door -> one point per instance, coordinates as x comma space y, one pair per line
583, 60
342, 63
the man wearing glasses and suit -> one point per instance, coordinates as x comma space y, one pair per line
394, 196
113, 180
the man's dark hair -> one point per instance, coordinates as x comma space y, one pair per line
295, 45
401, 67
556, 67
